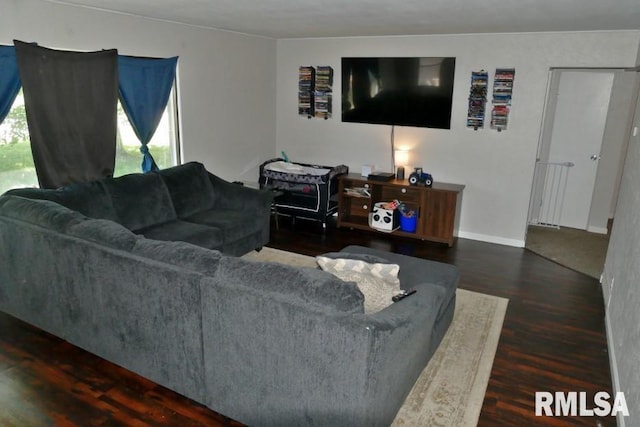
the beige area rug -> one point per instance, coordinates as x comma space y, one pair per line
578, 250
451, 389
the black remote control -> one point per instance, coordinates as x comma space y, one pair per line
402, 295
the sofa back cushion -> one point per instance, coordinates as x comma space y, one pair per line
104, 232
35, 193
190, 188
180, 254
140, 200
43, 213
306, 286
88, 198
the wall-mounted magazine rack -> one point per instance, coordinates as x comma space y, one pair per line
502, 93
315, 91
477, 99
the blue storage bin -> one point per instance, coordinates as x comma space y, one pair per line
408, 223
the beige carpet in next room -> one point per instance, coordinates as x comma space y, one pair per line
578, 250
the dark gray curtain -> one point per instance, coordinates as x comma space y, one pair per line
70, 100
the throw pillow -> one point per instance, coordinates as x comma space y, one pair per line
377, 281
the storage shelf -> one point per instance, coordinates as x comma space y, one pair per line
477, 99
438, 207
502, 93
315, 93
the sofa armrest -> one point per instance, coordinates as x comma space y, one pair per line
236, 196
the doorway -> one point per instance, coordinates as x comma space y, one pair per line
585, 132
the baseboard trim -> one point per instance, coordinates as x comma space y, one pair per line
615, 379
599, 230
491, 239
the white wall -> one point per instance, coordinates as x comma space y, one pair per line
621, 282
226, 80
497, 168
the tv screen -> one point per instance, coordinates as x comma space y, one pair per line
398, 91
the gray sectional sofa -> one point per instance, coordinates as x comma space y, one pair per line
263, 343
184, 203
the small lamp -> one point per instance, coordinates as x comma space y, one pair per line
401, 158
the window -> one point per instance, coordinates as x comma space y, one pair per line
16, 161
163, 146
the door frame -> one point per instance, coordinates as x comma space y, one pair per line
546, 127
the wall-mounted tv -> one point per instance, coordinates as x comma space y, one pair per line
398, 91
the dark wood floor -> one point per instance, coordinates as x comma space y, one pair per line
552, 340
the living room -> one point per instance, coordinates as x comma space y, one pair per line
237, 108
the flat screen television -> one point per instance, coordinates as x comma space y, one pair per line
398, 91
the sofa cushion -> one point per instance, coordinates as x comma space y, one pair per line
307, 286
377, 281
89, 198
181, 254
415, 271
140, 200
197, 234
35, 193
104, 232
356, 256
190, 188
234, 224
44, 213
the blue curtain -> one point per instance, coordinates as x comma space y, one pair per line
9, 79
145, 85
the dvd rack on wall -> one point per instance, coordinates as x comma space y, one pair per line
315, 87
502, 92
477, 99
323, 93
306, 84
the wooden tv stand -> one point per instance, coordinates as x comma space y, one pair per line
438, 207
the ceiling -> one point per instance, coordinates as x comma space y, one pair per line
343, 18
